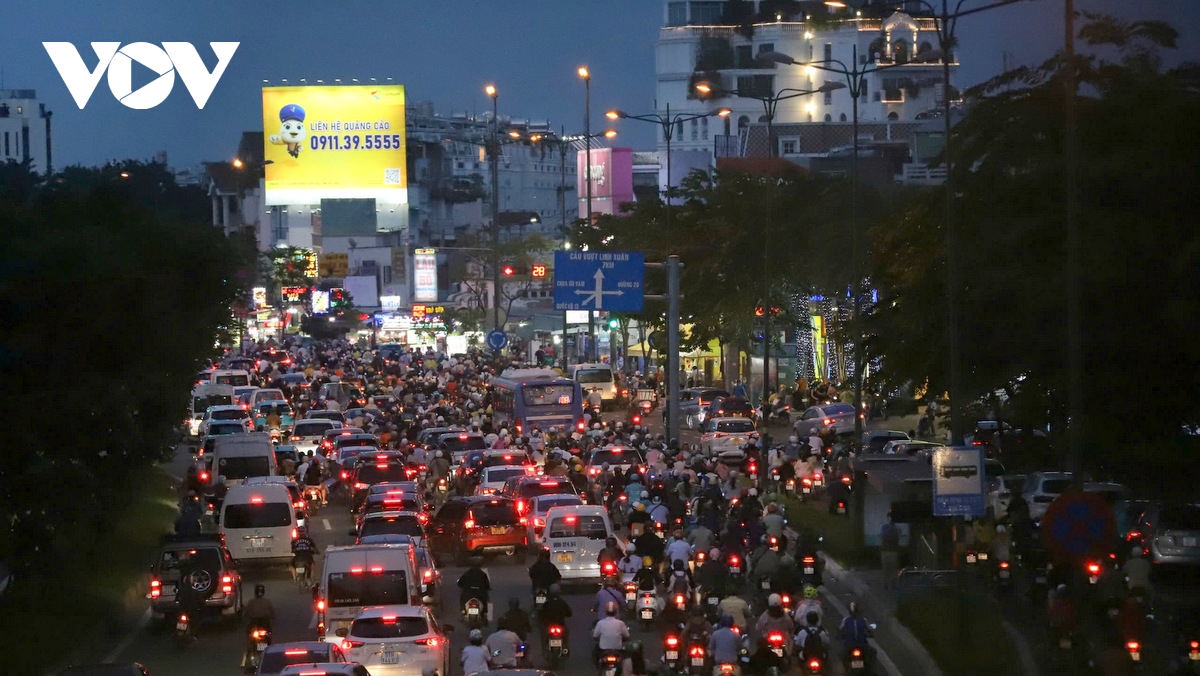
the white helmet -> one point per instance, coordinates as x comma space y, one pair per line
793, 439
753, 492
775, 601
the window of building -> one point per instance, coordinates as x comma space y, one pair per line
679, 129
704, 128
743, 122
789, 146
766, 47
743, 56
828, 51
387, 274
893, 89
842, 117
695, 130
7, 150
760, 86
676, 13
893, 116
829, 96
810, 52
828, 117
900, 51
707, 13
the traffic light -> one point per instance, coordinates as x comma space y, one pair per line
508, 270
537, 271
614, 323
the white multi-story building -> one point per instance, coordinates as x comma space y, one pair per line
24, 129
718, 43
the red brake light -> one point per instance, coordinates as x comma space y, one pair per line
828, 421
155, 589
672, 641
697, 651
462, 437
320, 605
295, 653
856, 652
469, 523
1004, 565
345, 475
432, 641
255, 500
347, 644
1093, 568
555, 630
1133, 646
378, 569
733, 560
1195, 645
356, 570
814, 664
808, 559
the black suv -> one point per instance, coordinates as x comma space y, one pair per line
211, 575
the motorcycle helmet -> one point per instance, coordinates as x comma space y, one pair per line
259, 591
772, 508
753, 492
775, 601
810, 592
677, 565
726, 621
476, 636
714, 554
439, 454
476, 561
630, 548
610, 608
556, 588
647, 561
813, 619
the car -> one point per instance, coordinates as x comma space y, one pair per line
354, 439
226, 413
575, 535
396, 641
263, 409
308, 433
213, 575
348, 395
725, 437
1041, 488
476, 525
535, 514
474, 462
491, 479
911, 448
429, 436
266, 394
326, 669
372, 468
523, 488
330, 435
282, 655
298, 503
1000, 493
617, 457
411, 524
836, 418
400, 501
694, 400
1170, 532
873, 441
323, 414
727, 407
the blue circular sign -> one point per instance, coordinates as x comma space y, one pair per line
497, 339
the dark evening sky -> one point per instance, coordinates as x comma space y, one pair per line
444, 51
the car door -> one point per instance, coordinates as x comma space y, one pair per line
445, 527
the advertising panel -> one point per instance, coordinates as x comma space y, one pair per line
363, 290
260, 296
334, 142
335, 264
320, 302
425, 287
611, 174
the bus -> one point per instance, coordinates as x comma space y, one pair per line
528, 398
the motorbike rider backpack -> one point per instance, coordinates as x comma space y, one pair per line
813, 645
312, 476
679, 583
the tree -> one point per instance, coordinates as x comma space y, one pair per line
1139, 187
475, 271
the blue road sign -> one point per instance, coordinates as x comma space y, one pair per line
497, 339
1078, 524
599, 280
958, 482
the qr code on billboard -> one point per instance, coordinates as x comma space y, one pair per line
391, 177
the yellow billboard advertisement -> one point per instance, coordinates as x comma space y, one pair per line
334, 142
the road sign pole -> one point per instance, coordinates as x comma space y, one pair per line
673, 266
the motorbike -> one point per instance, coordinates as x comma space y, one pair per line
808, 570
556, 647
735, 566
1134, 648
303, 575
474, 614
609, 663
711, 601
1187, 658
672, 654
183, 631
647, 608
696, 659
1003, 575
260, 639
312, 498
608, 569
858, 662
841, 509
631, 594
776, 640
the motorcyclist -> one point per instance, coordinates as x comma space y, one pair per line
516, 620
774, 618
701, 538
260, 614
313, 478
630, 564
724, 643
611, 552
646, 578
638, 519
189, 599
854, 632
697, 629
555, 611
192, 482
440, 467
543, 573
812, 641
810, 605
475, 657
650, 545
764, 659
190, 512
474, 584
1137, 573
609, 592
679, 580
765, 565
610, 633
303, 550
678, 548
773, 521
1061, 612
736, 607
502, 647
713, 573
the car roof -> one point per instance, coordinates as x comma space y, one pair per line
333, 668
398, 610
388, 514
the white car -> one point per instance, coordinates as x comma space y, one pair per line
227, 413
396, 641
308, 433
1041, 488
326, 669
726, 437
491, 479
536, 514
1000, 494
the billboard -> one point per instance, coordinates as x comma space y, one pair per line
320, 302
364, 290
611, 175
425, 288
334, 142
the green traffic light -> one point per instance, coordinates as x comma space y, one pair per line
613, 323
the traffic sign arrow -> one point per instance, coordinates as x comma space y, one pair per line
597, 295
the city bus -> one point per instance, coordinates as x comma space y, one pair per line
528, 398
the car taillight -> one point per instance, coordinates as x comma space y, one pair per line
539, 522
155, 589
469, 523
432, 641
579, 425
295, 438
827, 421
347, 644
360, 486
427, 574
227, 584
320, 605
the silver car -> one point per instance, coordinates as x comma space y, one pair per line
1172, 533
827, 418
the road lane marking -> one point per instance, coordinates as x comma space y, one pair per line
880, 657
325, 522
129, 638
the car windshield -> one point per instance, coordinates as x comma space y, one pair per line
373, 474
594, 376
281, 408
273, 395
501, 513
393, 525
455, 443
273, 662
367, 588
200, 404
1180, 517
502, 474
240, 467
229, 414
744, 425
232, 379
227, 428
545, 504
581, 526
548, 395
389, 627
1055, 486
257, 515
838, 409
707, 397
311, 429
616, 456
208, 558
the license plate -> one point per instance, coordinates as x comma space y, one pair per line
1135, 656
698, 662
983, 556
258, 550
807, 490
169, 589
712, 600
181, 626
556, 643
647, 614
389, 658
842, 510
672, 654
777, 651
970, 558
1189, 542
1064, 643
261, 646
857, 664
499, 530
765, 584
630, 596
299, 570
565, 557
258, 543
472, 611
809, 570
539, 599
1195, 657
735, 569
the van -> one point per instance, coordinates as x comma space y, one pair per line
204, 396
234, 377
237, 456
364, 575
575, 534
598, 376
259, 523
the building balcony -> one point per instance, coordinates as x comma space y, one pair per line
920, 174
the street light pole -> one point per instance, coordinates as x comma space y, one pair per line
586, 76
494, 165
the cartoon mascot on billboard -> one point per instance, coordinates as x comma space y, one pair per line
291, 129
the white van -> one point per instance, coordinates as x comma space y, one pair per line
234, 377
237, 456
358, 576
575, 534
598, 376
204, 396
259, 523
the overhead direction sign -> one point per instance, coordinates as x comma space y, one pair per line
599, 280
958, 482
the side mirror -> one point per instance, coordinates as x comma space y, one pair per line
343, 632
